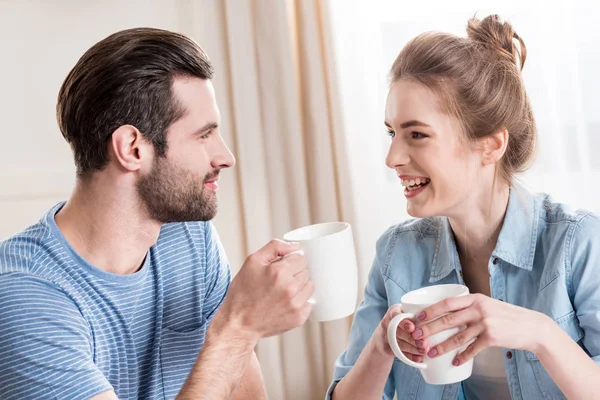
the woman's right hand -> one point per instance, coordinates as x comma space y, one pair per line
413, 349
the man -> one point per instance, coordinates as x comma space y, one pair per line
118, 293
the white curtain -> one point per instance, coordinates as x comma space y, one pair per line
281, 117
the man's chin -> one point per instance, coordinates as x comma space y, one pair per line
208, 216
207, 213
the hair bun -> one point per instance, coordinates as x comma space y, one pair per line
499, 35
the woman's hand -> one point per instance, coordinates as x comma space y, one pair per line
491, 322
413, 349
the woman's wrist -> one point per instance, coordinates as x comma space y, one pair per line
547, 335
378, 346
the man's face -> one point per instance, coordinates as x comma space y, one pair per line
182, 185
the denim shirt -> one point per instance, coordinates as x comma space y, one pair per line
547, 258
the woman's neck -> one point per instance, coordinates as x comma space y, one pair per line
477, 229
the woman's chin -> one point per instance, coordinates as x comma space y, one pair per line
419, 212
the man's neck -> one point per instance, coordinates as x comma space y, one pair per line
106, 225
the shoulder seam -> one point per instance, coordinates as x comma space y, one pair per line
570, 243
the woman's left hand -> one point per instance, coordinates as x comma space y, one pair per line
492, 323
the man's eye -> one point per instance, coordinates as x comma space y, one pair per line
206, 135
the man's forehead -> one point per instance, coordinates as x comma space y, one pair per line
196, 97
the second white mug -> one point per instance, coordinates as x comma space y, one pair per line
439, 370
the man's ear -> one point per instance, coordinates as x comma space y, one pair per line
129, 147
494, 146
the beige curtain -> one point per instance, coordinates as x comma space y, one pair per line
277, 94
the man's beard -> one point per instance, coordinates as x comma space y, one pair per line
172, 194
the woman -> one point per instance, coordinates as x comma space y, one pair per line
461, 127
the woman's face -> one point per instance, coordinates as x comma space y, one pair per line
437, 166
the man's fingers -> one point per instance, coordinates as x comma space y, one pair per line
274, 250
302, 277
305, 292
295, 263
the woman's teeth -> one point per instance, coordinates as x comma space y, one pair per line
413, 184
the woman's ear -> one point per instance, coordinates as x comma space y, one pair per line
494, 146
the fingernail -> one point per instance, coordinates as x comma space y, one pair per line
407, 326
418, 333
432, 353
422, 351
420, 344
421, 316
456, 362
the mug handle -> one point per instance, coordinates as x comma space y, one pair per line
391, 334
311, 300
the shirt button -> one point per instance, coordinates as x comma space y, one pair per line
460, 273
495, 261
509, 354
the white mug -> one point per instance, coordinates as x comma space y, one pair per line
438, 370
331, 257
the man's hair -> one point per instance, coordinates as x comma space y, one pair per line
126, 79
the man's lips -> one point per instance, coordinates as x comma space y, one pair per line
212, 182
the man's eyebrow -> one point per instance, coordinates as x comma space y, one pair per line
206, 127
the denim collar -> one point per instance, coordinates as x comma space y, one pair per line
516, 242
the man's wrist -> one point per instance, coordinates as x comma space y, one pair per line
226, 329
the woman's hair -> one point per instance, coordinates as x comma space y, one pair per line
478, 80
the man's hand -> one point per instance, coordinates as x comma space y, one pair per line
269, 294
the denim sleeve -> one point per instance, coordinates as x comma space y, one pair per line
368, 315
584, 278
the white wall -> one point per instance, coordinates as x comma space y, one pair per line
40, 42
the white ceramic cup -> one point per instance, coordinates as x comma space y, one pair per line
331, 257
438, 370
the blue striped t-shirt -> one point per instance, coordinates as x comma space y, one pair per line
69, 330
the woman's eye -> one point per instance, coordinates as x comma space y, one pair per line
418, 135
391, 134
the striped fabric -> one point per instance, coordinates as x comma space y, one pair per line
71, 331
